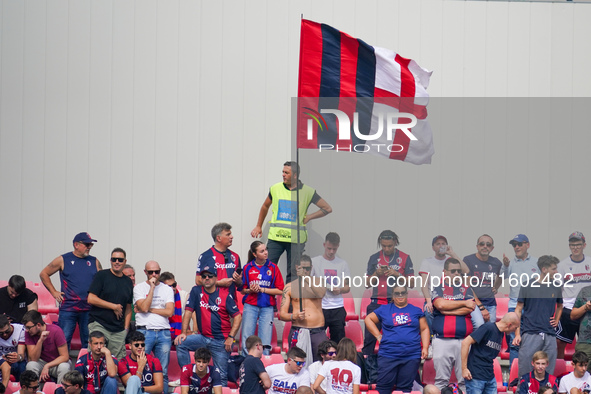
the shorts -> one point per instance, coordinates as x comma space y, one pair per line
567, 328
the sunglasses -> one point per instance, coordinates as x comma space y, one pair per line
151, 272
173, 285
387, 237
117, 259
207, 276
306, 268
520, 244
332, 353
400, 293
487, 244
298, 363
139, 344
456, 271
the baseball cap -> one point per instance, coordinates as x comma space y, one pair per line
519, 238
576, 236
437, 238
209, 269
84, 238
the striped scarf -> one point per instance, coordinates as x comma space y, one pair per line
176, 320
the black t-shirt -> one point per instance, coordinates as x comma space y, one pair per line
250, 370
539, 304
111, 288
487, 347
17, 307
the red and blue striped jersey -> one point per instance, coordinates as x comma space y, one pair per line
197, 385
267, 276
448, 326
129, 365
213, 311
94, 372
400, 261
225, 264
528, 384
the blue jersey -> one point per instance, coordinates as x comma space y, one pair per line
76, 278
528, 384
213, 311
401, 338
197, 385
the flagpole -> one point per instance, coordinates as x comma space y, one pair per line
298, 253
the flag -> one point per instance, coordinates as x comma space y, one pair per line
356, 97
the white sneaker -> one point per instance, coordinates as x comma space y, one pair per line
176, 383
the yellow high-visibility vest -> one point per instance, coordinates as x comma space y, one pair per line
283, 221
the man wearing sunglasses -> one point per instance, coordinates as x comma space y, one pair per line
12, 348
486, 269
577, 268
214, 309
155, 305
290, 376
77, 269
111, 296
327, 351
29, 382
522, 264
140, 372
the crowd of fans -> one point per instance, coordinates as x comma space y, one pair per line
550, 305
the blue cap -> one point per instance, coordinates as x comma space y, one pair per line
84, 238
519, 238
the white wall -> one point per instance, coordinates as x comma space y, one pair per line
147, 122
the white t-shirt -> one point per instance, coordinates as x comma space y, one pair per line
569, 381
10, 345
163, 294
313, 369
432, 266
348, 374
331, 268
581, 277
283, 382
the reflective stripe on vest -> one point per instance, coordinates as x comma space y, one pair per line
283, 224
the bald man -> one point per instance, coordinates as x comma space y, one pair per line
479, 350
155, 304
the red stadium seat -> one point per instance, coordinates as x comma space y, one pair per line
13, 387
46, 303
365, 301
82, 353
174, 369
350, 308
562, 367
429, 373
499, 376
285, 336
502, 307
4, 283
504, 354
49, 387
367, 387
177, 390
353, 330
228, 390
513, 373
75, 343
272, 359
570, 350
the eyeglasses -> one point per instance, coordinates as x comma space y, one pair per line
455, 271
332, 353
298, 363
207, 276
309, 268
152, 272
520, 244
117, 259
139, 345
400, 293
487, 244
27, 328
575, 246
66, 385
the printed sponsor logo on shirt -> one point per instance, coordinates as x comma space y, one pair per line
224, 266
284, 387
205, 305
400, 319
